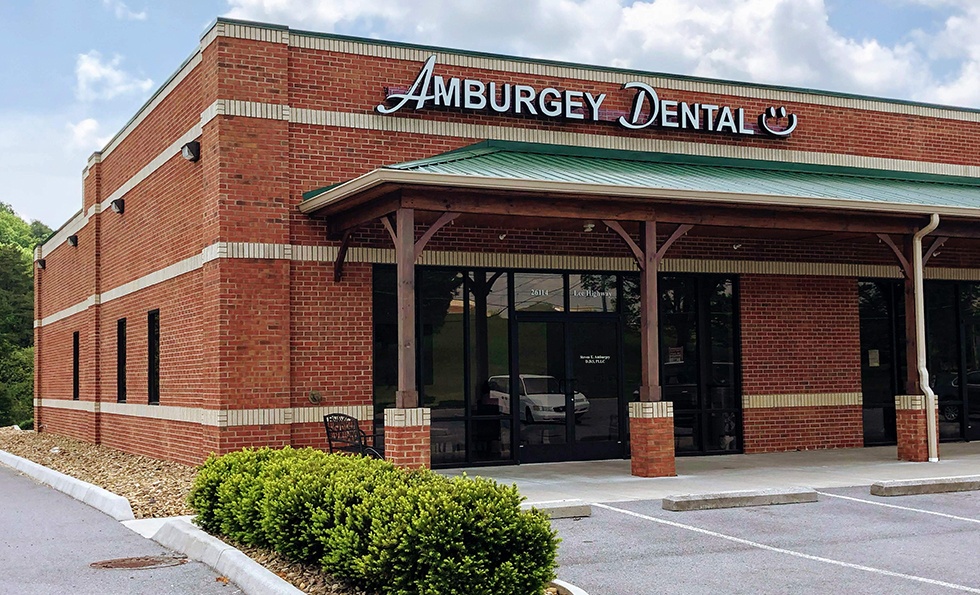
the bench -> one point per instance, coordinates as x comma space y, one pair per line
344, 434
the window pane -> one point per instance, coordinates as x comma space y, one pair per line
539, 292
441, 307
592, 293
448, 442
489, 343
385, 314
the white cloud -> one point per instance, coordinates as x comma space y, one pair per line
85, 135
98, 79
786, 42
123, 12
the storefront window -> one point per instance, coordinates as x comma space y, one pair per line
539, 292
592, 292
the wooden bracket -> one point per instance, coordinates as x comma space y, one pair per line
441, 222
338, 265
678, 233
902, 261
390, 226
936, 245
637, 253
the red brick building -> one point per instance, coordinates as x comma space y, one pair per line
459, 248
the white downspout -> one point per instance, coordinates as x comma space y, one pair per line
920, 337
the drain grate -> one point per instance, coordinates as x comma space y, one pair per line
141, 562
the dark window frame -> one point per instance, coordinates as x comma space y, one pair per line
153, 357
121, 360
75, 375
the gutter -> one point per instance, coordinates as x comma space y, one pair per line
920, 337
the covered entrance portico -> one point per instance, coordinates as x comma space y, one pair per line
635, 196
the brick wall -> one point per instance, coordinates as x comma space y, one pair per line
800, 335
249, 333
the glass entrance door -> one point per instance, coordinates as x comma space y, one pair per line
567, 388
699, 363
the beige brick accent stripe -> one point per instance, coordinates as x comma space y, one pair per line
213, 417
408, 418
650, 410
495, 260
910, 402
802, 400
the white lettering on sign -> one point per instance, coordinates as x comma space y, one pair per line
595, 359
647, 108
590, 293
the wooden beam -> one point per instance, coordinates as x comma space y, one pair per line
720, 214
649, 317
442, 221
407, 396
353, 218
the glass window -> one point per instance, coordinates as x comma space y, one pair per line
592, 292
153, 357
74, 366
489, 342
385, 314
121, 360
441, 306
539, 292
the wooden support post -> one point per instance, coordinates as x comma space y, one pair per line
407, 396
649, 316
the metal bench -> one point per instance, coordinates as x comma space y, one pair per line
344, 434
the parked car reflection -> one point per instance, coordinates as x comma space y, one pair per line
541, 398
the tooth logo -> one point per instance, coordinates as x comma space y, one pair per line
777, 114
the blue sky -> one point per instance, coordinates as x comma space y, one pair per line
73, 72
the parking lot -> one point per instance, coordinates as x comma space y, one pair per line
847, 542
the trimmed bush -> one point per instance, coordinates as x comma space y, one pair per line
26, 425
379, 527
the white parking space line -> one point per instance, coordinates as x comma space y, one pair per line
882, 504
778, 550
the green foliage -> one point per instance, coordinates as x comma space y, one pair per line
380, 527
27, 425
16, 384
17, 239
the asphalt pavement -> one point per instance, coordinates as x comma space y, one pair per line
48, 542
846, 542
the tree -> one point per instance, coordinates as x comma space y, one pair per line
17, 241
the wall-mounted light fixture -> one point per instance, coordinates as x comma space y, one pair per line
118, 206
503, 235
736, 246
588, 226
191, 151
41, 263
73, 240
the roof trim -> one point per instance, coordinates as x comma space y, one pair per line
379, 177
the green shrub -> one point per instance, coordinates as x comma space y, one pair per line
303, 497
380, 527
27, 425
457, 536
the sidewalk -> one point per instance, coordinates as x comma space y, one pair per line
610, 481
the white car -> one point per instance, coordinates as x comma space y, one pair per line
541, 398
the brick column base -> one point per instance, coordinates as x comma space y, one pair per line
910, 428
652, 439
407, 442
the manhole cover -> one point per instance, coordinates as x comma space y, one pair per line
141, 562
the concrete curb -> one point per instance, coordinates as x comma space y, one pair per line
572, 589
739, 499
934, 485
250, 576
101, 499
561, 509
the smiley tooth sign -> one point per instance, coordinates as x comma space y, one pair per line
777, 114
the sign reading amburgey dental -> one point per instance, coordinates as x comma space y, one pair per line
648, 109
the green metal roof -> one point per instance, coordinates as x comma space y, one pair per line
523, 161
